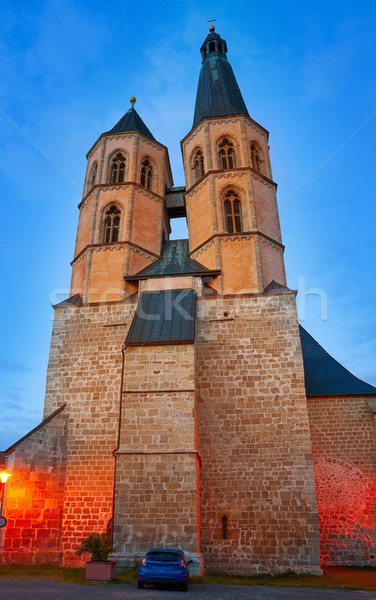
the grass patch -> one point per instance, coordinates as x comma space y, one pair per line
66, 574
340, 577
129, 575
343, 577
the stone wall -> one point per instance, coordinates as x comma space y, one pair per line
84, 372
254, 438
34, 495
156, 464
344, 452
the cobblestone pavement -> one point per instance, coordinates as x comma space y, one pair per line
47, 589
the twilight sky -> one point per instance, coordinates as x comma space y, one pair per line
67, 69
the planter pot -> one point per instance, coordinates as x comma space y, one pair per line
100, 570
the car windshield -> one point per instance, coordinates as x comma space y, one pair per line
163, 556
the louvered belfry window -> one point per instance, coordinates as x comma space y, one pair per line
198, 164
226, 155
256, 158
146, 174
118, 169
112, 225
233, 212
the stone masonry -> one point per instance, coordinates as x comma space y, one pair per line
254, 438
344, 452
35, 496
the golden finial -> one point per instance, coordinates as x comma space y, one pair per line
132, 100
211, 28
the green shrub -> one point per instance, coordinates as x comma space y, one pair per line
98, 545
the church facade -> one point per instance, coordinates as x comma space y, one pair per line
185, 406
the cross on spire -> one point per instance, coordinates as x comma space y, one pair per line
211, 28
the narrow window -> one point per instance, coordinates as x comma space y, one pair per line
212, 47
233, 212
228, 213
107, 230
224, 527
117, 174
146, 174
237, 215
256, 158
198, 165
226, 155
111, 225
93, 176
121, 172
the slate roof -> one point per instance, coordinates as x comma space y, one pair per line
218, 93
274, 286
162, 317
324, 376
76, 299
175, 261
131, 121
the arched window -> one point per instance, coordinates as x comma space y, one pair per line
233, 212
256, 158
93, 175
111, 225
226, 155
146, 174
198, 164
117, 169
212, 47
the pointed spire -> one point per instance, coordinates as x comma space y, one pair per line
132, 121
218, 93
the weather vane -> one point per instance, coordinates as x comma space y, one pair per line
211, 28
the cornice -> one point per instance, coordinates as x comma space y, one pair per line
121, 186
225, 119
122, 136
114, 246
232, 237
230, 173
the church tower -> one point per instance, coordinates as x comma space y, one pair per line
122, 219
231, 202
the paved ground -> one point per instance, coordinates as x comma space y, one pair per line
47, 589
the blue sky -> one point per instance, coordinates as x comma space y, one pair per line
67, 70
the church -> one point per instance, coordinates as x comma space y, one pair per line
185, 406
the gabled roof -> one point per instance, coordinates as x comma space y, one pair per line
174, 261
274, 286
324, 376
131, 121
218, 93
73, 300
164, 317
29, 433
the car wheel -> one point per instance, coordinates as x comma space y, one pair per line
140, 585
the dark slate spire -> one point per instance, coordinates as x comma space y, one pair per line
218, 93
132, 122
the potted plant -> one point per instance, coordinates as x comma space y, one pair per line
98, 568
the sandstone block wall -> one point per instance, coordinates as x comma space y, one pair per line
344, 452
34, 496
254, 437
84, 372
156, 464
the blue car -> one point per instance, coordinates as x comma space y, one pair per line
160, 565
